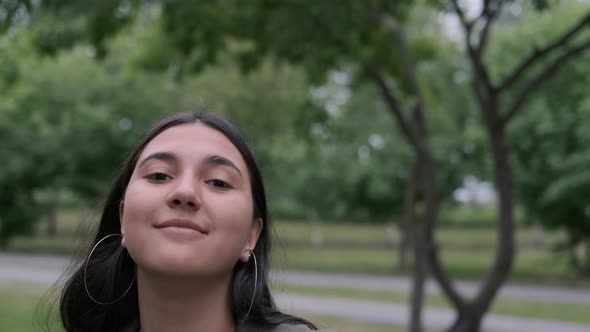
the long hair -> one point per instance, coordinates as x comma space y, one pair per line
111, 271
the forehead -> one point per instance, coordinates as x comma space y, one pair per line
194, 140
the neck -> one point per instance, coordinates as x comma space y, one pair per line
182, 304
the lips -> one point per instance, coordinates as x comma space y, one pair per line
181, 223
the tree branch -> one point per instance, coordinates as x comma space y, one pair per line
372, 71
481, 76
426, 165
461, 15
490, 16
538, 54
536, 81
9, 12
409, 75
393, 104
406, 62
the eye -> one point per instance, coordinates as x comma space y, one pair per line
158, 177
218, 184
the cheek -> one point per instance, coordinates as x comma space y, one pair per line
233, 219
139, 201
235, 214
138, 212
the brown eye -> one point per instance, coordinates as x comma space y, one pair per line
158, 177
218, 183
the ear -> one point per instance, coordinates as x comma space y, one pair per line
121, 210
255, 231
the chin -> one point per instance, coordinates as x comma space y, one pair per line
178, 264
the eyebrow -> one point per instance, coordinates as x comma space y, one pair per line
164, 156
219, 160
212, 160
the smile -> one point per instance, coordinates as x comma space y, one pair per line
181, 225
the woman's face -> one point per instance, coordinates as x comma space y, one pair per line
187, 210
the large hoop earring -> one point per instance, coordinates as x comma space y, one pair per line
255, 285
86, 268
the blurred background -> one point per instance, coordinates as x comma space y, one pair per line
427, 162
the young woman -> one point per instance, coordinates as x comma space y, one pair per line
183, 242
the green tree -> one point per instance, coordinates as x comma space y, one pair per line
62, 130
323, 36
327, 35
500, 97
550, 140
18, 172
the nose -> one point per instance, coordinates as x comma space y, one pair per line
184, 196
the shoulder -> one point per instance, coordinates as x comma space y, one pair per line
290, 328
278, 328
295, 328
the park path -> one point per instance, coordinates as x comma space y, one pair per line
397, 314
45, 270
402, 285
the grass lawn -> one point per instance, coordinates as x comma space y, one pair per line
20, 307
372, 234
538, 267
467, 252
573, 313
19, 311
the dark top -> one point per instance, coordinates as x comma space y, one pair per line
246, 327
279, 328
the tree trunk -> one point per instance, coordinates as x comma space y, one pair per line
414, 234
505, 249
424, 174
471, 314
404, 245
415, 132
406, 236
418, 277
467, 321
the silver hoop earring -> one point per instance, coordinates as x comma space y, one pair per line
86, 268
255, 284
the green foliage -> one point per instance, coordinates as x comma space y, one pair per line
8, 70
61, 129
543, 4
323, 153
51, 35
321, 35
327, 178
63, 23
319, 152
65, 131
11, 11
